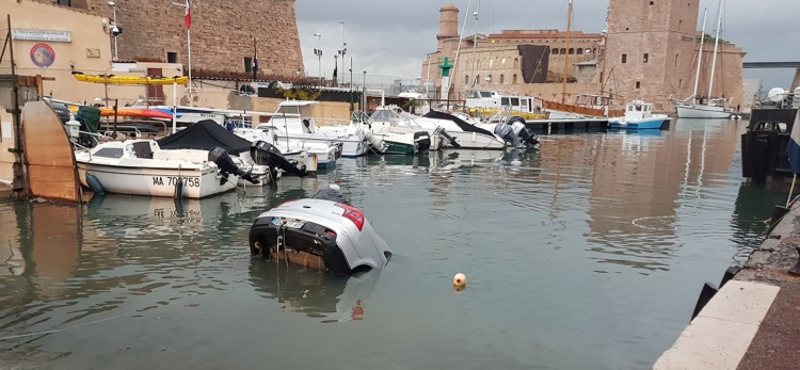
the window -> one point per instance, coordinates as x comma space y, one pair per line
502, 79
172, 57
478, 80
638, 85
514, 79
466, 80
504, 102
676, 60
680, 23
571, 51
646, 58
516, 62
624, 58
555, 51
248, 64
680, 82
64, 2
563, 51
514, 102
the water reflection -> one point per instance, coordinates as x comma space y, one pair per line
330, 298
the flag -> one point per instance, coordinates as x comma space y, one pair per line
335, 71
793, 147
188, 19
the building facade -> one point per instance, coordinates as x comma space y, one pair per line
224, 34
650, 52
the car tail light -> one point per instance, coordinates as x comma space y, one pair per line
352, 214
331, 233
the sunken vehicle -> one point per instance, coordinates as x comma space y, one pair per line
323, 232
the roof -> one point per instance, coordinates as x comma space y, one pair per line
449, 6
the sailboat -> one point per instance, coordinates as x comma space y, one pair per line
705, 107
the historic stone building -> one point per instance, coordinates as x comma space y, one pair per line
650, 52
222, 33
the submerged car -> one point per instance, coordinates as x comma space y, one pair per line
322, 232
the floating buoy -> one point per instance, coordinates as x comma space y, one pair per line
459, 280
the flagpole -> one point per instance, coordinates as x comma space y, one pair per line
189, 42
791, 190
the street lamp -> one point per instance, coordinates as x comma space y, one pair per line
335, 69
318, 53
115, 29
364, 93
343, 51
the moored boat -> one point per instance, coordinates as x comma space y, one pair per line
639, 116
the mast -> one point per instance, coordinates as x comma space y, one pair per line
716, 48
699, 57
457, 60
566, 59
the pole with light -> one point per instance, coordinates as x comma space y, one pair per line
351, 85
318, 53
187, 21
116, 30
364, 93
343, 51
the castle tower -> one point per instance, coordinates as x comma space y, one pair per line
448, 24
650, 49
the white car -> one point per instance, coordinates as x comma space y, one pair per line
319, 233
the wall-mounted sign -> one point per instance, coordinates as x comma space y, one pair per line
92, 53
42, 35
43, 55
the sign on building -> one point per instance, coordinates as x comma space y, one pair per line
42, 35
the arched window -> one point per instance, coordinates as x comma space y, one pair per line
478, 79
514, 79
555, 51
563, 51
502, 79
466, 80
571, 51
516, 62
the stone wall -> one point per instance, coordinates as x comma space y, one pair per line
222, 33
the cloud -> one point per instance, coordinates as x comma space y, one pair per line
392, 38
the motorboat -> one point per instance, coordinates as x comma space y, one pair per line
455, 132
512, 131
639, 116
323, 232
405, 134
313, 155
141, 167
295, 120
262, 160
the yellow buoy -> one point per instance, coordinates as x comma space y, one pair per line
459, 280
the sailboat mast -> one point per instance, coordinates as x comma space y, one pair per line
699, 57
566, 59
458, 49
716, 49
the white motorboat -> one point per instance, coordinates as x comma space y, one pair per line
141, 167
402, 134
639, 116
312, 155
295, 120
466, 136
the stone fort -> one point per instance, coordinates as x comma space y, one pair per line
222, 34
649, 52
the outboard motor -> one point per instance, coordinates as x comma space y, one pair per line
506, 133
422, 141
521, 130
445, 135
264, 153
226, 166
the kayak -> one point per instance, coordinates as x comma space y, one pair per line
135, 112
131, 80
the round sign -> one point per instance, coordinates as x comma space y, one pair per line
43, 55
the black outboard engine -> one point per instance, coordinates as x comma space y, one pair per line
264, 153
445, 135
226, 166
422, 141
521, 130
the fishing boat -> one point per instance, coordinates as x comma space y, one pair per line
639, 116
705, 107
141, 167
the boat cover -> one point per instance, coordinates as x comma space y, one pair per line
458, 121
205, 135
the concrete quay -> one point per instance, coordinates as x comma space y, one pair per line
753, 322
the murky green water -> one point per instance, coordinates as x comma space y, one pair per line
589, 254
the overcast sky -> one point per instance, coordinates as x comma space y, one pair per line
392, 37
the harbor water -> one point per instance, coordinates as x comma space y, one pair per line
588, 254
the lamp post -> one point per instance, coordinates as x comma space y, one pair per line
335, 69
364, 93
318, 53
351, 85
343, 51
115, 30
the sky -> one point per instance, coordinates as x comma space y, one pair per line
391, 38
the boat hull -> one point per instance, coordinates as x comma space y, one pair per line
702, 111
160, 182
644, 124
